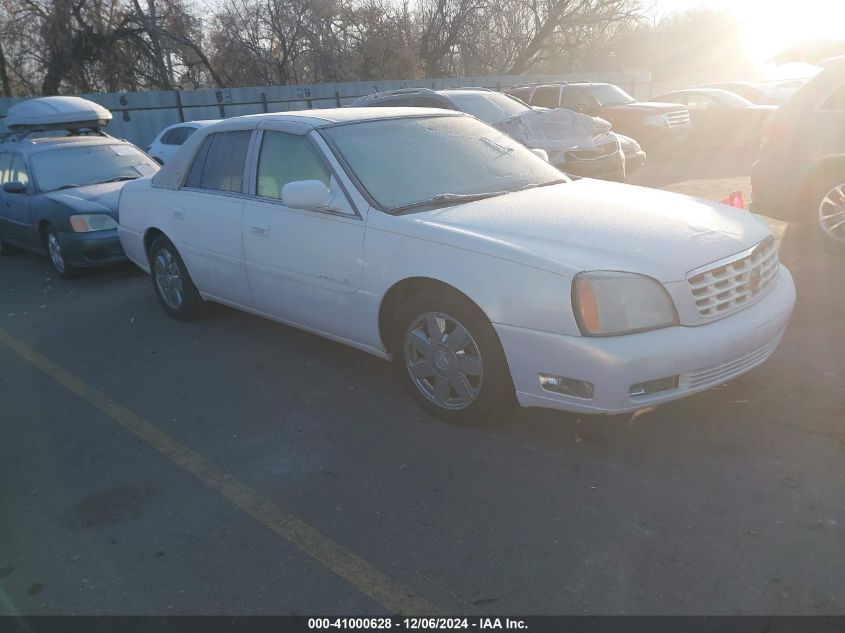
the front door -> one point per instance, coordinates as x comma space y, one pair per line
18, 227
304, 266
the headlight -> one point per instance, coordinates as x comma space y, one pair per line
92, 222
608, 303
655, 119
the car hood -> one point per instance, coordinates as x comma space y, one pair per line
652, 107
100, 198
595, 225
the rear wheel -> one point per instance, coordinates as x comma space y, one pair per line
830, 212
56, 254
449, 358
172, 284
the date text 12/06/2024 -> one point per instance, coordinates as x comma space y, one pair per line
430, 624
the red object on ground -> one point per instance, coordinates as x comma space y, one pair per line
734, 200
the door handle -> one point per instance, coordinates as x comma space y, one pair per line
179, 214
260, 230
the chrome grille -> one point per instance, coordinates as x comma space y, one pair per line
678, 117
733, 283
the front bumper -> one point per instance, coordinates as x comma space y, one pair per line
89, 250
701, 356
634, 161
608, 167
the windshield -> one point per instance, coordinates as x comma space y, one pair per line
608, 94
490, 107
405, 161
89, 164
730, 99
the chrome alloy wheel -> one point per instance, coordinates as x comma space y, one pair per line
443, 361
168, 279
832, 213
55, 250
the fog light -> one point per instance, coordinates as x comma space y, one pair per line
567, 386
653, 386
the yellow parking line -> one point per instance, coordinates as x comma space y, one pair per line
354, 570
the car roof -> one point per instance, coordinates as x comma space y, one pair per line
333, 116
297, 122
197, 123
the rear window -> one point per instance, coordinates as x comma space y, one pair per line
219, 164
178, 135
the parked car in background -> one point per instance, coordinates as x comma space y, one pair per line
61, 177
578, 145
761, 93
800, 174
720, 117
435, 240
648, 122
170, 138
635, 157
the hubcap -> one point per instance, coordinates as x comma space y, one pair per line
443, 360
168, 279
832, 213
55, 250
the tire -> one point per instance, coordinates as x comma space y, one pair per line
53, 245
173, 287
828, 208
463, 375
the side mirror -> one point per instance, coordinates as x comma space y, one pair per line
14, 186
541, 153
306, 194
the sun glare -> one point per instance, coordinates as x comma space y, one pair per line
769, 27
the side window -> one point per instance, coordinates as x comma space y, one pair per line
18, 171
219, 164
836, 101
546, 97
178, 135
700, 102
5, 171
287, 158
576, 99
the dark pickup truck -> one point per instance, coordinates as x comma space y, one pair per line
649, 123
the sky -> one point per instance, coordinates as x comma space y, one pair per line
769, 26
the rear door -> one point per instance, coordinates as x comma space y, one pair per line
206, 216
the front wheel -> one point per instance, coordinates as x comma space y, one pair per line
830, 212
57, 256
449, 358
172, 284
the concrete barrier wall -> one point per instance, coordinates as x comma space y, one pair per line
139, 116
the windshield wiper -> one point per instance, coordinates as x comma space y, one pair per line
115, 179
67, 186
446, 198
532, 185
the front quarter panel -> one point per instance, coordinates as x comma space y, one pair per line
507, 291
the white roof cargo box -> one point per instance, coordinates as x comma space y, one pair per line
56, 113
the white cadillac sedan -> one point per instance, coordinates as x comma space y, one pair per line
431, 239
